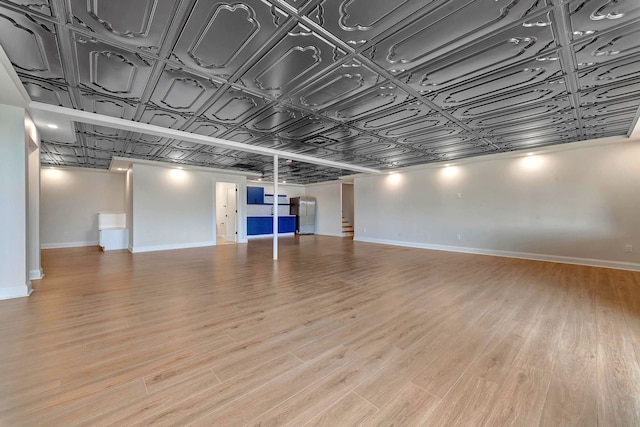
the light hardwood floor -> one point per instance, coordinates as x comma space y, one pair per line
335, 333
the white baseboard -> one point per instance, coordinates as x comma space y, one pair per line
68, 245
36, 274
15, 291
620, 265
140, 249
330, 234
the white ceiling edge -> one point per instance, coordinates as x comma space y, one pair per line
129, 125
125, 163
12, 92
286, 184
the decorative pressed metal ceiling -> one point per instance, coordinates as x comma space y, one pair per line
375, 83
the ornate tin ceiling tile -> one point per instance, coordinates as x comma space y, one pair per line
335, 85
47, 92
592, 16
219, 37
305, 128
234, 106
141, 24
206, 128
358, 21
111, 70
523, 98
31, 45
555, 107
385, 96
112, 107
298, 56
625, 89
181, 91
610, 72
514, 60
455, 23
422, 125
603, 47
115, 146
409, 112
528, 74
273, 119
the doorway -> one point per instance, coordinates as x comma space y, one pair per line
348, 208
226, 213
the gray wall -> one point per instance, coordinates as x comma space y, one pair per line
579, 203
70, 201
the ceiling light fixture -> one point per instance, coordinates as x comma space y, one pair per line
52, 126
529, 154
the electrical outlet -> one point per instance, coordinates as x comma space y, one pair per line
628, 248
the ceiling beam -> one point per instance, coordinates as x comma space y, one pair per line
117, 123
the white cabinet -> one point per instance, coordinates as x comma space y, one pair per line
113, 231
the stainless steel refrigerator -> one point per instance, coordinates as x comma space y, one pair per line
304, 208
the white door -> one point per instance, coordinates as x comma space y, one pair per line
231, 213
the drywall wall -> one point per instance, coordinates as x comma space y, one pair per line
579, 205
175, 208
70, 200
328, 207
14, 209
35, 267
128, 204
347, 202
172, 208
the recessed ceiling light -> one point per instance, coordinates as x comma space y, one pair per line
529, 154
259, 179
448, 164
121, 169
284, 182
52, 126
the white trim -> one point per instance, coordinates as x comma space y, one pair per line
36, 274
154, 248
620, 265
19, 97
130, 125
68, 245
330, 234
16, 291
127, 162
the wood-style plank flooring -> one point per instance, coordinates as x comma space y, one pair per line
335, 333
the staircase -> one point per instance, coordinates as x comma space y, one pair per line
347, 229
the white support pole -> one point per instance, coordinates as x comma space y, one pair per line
275, 207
